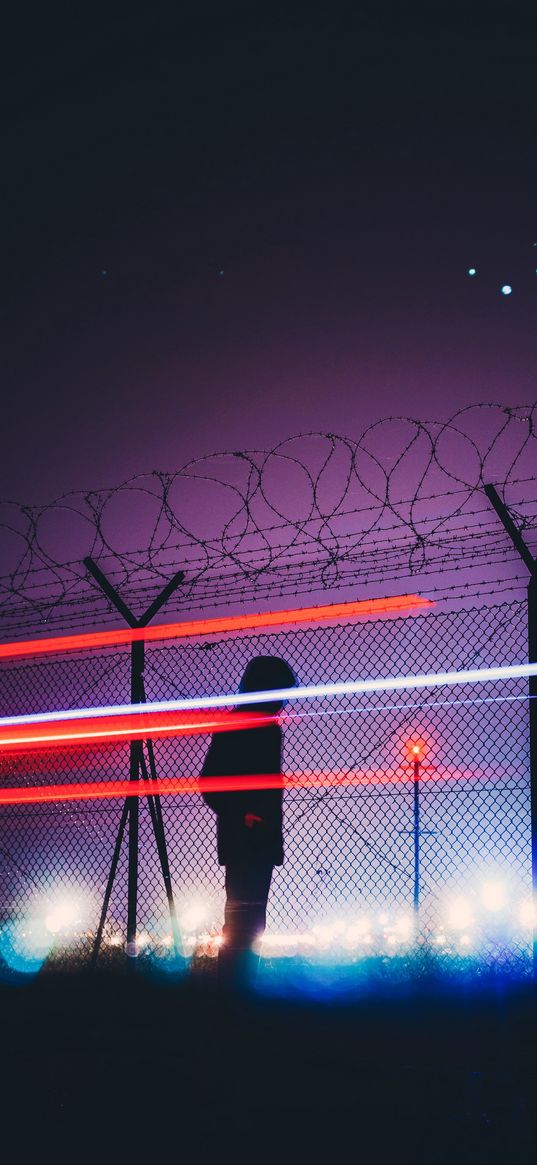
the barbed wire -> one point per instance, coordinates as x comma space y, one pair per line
316, 513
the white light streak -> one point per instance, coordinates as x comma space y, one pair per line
403, 707
283, 695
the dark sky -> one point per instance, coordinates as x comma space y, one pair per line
225, 223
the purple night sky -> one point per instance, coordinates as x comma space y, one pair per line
225, 224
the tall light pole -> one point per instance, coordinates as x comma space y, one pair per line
416, 754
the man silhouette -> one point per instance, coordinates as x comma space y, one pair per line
249, 824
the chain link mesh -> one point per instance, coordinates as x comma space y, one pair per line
348, 885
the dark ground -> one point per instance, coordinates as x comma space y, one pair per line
126, 1069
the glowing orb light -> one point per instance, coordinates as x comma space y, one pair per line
460, 914
24, 945
324, 934
415, 748
403, 928
472, 271
507, 289
528, 914
357, 933
494, 896
64, 916
194, 914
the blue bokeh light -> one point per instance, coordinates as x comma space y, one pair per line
25, 945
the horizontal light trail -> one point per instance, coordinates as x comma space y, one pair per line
398, 604
117, 728
422, 704
179, 786
60, 733
18, 730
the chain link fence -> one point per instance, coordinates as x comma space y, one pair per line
351, 879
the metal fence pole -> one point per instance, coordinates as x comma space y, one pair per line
531, 563
135, 750
131, 813
532, 658
416, 783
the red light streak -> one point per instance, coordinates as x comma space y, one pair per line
397, 604
179, 786
57, 733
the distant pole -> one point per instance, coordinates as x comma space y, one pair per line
416, 832
531, 563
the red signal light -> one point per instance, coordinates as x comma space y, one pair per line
415, 748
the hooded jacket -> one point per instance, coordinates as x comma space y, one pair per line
243, 753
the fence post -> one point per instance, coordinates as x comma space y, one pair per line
131, 812
135, 757
532, 658
531, 563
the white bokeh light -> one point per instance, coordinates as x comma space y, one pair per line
65, 913
528, 914
404, 927
193, 915
494, 896
460, 914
